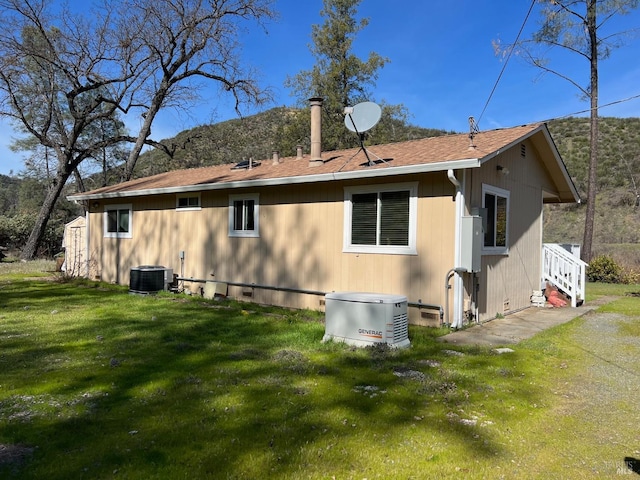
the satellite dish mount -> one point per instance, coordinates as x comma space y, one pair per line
360, 119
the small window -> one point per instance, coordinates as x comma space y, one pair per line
188, 202
243, 216
117, 221
495, 201
381, 219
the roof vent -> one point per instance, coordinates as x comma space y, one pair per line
523, 150
245, 164
473, 131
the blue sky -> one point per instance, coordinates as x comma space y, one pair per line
442, 67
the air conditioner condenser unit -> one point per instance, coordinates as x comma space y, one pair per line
363, 319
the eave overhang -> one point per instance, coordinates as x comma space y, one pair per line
301, 179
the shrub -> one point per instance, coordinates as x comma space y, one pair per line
631, 276
604, 268
15, 231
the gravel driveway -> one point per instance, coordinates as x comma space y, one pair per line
604, 399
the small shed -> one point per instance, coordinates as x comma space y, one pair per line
74, 244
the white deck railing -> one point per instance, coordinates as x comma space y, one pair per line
565, 271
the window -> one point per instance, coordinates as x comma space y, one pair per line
117, 221
243, 216
381, 219
188, 202
495, 201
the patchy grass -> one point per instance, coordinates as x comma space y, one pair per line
597, 290
13, 267
96, 383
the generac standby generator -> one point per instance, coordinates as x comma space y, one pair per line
363, 319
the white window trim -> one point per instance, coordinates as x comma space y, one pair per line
124, 206
410, 249
505, 194
256, 216
188, 195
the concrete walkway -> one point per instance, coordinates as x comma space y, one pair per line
519, 326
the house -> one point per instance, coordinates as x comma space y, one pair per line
454, 223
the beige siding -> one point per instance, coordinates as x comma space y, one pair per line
300, 244
301, 241
507, 281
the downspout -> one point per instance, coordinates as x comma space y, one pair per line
458, 294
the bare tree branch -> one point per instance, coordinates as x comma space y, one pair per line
64, 76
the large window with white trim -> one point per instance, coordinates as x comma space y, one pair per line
381, 219
495, 202
117, 221
243, 216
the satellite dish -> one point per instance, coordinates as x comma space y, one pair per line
362, 117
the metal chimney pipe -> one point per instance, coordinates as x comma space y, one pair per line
298, 152
276, 157
315, 104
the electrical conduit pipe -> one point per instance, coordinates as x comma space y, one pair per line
457, 283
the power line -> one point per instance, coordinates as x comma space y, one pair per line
588, 110
615, 102
495, 85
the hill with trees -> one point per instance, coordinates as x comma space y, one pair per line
617, 215
617, 210
257, 136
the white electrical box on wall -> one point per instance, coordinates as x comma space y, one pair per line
363, 319
472, 236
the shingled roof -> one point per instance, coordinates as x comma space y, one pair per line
423, 155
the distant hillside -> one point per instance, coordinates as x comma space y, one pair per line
254, 136
617, 215
9, 192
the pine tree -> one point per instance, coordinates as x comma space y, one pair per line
339, 76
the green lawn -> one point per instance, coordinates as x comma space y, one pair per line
96, 383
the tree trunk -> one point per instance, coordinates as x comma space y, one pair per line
587, 244
31, 247
144, 133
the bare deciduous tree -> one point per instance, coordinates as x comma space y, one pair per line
185, 41
64, 74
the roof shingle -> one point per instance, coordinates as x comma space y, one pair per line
431, 150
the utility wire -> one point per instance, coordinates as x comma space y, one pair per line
615, 102
495, 85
